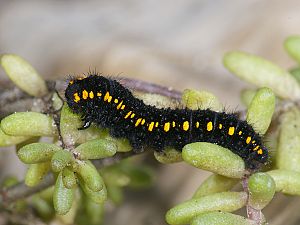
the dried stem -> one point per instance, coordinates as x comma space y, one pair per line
252, 213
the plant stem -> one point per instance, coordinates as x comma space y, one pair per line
252, 213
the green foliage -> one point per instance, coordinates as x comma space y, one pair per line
261, 189
224, 201
261, 109
60, 160
201, 100
36, 173
62, 197
89, 175
221, 218
96, 149
96, 196
212, 201
262, 73
169, 155
292, 45
287, 181
69, 178
23, 75
28, 124
214, 184
8, 140
37, 152
214, 158
288, 151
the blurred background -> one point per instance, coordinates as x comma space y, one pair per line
172, 43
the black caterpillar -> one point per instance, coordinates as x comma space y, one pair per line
109, 104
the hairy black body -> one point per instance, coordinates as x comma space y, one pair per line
109, 104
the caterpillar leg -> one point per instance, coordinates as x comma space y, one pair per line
86, 123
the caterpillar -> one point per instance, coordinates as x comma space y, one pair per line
110, 105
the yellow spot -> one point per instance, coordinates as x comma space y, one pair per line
99, 94
120, 104
107, 97
173, 124
248, 140
231, 130
253, 142
138, 122
116, 100
260, 152
132, 115
185, 125
85, 94
76, 97
91, 95
151, 125
167, 127
143, 121
240, 133
257, 147
156, 124
128, 114
220, 126
123, 107
209, 126
197, 124
71, 82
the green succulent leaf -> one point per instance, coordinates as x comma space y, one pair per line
123, 144
214, 158
296, 73
98, 197
23, 75
262, 73
247, 96
214, 184
8, 140
69, 217
115, 176
261, 110
69, 124
221, 218
94, 212
292, 46
288, 150
115, 193
62, 197
89, 174
61, 159
261, 189
157, 100
287, 182
42, 207
140, 176
37, 152
36, 173
169, 155
224, 201
28, 124
69, 178
57, 102
201, 100
96, 149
